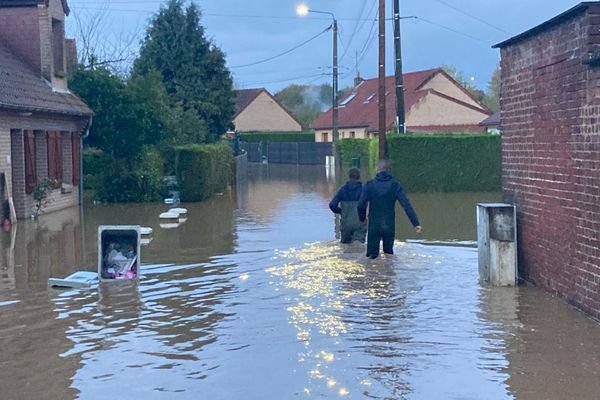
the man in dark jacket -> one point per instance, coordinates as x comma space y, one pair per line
381, 194
347, 197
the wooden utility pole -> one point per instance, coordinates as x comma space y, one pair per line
400, 118
382, 127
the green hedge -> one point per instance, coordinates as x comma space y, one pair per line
446, 163
367, 150
307, 136
203, 170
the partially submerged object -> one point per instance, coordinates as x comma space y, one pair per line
77, 280
182, 212
169, 218
118, 251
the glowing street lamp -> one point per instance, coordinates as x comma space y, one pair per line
302, 10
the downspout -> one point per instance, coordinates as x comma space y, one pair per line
84, 136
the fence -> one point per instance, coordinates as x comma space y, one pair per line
306, 153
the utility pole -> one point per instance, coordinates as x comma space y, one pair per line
400, 118
336, 135
382, 127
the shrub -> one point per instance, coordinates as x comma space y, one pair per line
446, 162
203, 170
120, 183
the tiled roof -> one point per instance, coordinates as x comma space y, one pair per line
361, 108
492, 120
21, 89
244, 97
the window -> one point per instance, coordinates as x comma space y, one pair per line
352, 135
55, 169
58, 46
30, 161
348, 99
75, 158
369, 98
325, 136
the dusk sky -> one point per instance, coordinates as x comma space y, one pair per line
452, 32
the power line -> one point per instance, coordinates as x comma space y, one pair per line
284, 53
288, 79
473, 17
453, 30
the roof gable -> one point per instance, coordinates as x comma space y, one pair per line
361, 107
244, 97
22, 89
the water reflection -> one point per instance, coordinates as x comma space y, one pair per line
253, 298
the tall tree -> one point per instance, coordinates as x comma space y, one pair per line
492, 97
192, 68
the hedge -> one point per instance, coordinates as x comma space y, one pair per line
367, 150
446, 162
203, 170
307, 136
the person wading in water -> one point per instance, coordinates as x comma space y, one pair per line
347, 197
381, 194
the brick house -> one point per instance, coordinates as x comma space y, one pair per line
550, 120
41, 121
256, 110
433, 102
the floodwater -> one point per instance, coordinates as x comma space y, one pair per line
253, 298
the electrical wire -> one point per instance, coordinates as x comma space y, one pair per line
473, 17
453, 30
282, 54
295, 78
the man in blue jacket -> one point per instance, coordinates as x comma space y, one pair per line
345, 203
381, 194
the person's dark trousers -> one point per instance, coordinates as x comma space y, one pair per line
353, 234
377, 234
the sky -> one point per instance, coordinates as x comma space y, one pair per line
451, 32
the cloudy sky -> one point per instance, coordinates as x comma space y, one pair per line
452, 32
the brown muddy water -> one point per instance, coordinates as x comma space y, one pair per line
252, 298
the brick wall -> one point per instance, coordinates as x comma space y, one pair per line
551, 156
24, 203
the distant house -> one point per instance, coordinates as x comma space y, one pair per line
256, 110
433, 102
492, 123
41, 121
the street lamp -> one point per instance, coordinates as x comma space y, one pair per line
302, 10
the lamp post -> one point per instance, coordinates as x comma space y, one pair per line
303, 10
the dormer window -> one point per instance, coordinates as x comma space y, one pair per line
58, 47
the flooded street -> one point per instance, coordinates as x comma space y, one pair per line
253, 298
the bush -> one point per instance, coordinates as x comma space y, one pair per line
366, 149
446, 162
203, 170
119, 183
307, 136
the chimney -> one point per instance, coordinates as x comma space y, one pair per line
71, 55
357, 79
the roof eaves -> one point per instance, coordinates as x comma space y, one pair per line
16, 107
570, 13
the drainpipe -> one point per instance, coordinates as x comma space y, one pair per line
84, 136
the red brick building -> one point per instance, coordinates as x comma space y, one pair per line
41, 121
550, 104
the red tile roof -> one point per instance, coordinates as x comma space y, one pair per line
22, 90
361, 108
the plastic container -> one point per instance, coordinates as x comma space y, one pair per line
119, 252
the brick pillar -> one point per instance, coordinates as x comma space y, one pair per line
18, 172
